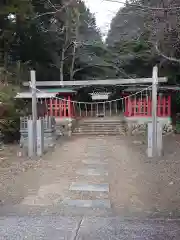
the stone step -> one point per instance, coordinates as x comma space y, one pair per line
101, 124
99, 121
99, 127
98, 133
87, 195
88, 203
97, 130
92, 172
100, 130
94, 162
80, 186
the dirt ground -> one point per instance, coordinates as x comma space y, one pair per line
138, 186
21, 177
148, 187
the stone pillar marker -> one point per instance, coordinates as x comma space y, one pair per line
159, 139
69, 127
30, 139
34, 110
154, 110
150, 140
40, 137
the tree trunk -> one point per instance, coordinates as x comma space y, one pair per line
72, 63
62, 66
74, 45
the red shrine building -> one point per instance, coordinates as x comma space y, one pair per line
58, 101
61, 103
141, 105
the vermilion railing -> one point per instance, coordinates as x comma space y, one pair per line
64, 108
143, 107
60, 107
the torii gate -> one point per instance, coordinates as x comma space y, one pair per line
154, 80
55, 105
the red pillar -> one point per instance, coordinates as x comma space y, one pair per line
56, 107
134, 107
60, 108
164, 107
126, 107
69, 107
169, 106
144, 102
65, 107
73, 110
140, 113
149, 106
130, 107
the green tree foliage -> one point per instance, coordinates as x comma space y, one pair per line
12, 14
58, 38
10, 112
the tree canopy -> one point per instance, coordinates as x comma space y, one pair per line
144, 33
58, 38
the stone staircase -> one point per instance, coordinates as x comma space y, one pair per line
100, 126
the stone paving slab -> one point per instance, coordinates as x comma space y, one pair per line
88, 203
92, 172
91, 161
114, 228
41, 228
96, 166
78, 186
57, 210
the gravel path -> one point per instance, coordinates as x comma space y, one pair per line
60, 228
138, 186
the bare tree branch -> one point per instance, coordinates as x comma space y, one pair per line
172, 59
143, 6
54, 12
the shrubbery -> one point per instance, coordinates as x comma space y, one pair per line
10, 112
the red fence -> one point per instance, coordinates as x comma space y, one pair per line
60, 108
133, 107
143, 107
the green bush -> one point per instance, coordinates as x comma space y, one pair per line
10, 112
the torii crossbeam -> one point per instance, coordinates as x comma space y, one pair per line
96, 82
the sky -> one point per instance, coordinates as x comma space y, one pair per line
104, 12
